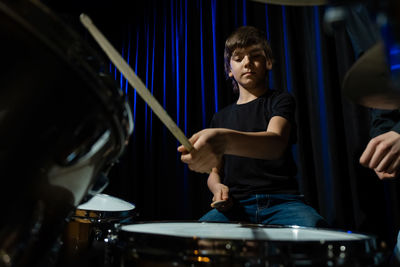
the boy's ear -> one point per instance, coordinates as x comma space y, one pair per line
269, 64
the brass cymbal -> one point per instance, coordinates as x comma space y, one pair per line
294, 2
368, 81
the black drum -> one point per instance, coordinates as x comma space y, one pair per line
160, 244
63, 123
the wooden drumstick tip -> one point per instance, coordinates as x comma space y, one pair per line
85, 19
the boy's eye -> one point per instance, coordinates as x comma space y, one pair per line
256, 55
239, 58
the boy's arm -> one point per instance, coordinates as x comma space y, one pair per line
219, 190
210, 144
221, 200
268, 145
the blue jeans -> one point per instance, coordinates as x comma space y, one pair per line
274, 209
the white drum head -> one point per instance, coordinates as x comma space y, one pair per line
233, 244
232, 231
103, 202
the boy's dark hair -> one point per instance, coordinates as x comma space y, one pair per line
242, 37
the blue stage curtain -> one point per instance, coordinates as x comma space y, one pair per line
176, 48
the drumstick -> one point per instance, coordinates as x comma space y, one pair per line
135, 81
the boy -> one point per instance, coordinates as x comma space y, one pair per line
248, 144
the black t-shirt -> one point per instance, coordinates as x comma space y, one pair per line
246, 176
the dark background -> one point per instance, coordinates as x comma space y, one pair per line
176, 48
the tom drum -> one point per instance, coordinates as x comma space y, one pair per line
86, 233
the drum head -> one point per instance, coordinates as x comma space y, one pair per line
104, 202
231, 244
104, 208
241, 232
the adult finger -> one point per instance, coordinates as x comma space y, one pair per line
394, 166
385, 175
380, 152
367, 154
385, 162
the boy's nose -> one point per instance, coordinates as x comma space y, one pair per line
246, 60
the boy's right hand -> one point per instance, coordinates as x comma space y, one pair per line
208, 148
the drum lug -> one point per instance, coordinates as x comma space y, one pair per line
97, 234
111, 237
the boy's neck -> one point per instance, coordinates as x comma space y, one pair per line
246, 95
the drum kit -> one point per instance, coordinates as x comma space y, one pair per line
55, 86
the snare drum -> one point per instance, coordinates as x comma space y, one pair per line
92, 222
229, 244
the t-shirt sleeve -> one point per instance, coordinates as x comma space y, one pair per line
284, 105
384, 121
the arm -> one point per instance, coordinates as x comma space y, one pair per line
268, 145
221, 200
382, 153
219, 190
210, 144
383, 121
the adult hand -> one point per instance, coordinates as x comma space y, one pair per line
208, 149
382, 154
385, 175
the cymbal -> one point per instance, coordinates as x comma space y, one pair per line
368, 81
294, 2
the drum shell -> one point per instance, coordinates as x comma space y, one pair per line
86, 234
147, 249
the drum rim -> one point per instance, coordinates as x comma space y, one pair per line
167, 247
106, 216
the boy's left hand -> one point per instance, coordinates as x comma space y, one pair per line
222, 205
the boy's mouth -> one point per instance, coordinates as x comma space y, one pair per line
248, 73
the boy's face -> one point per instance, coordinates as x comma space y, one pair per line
249, 67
